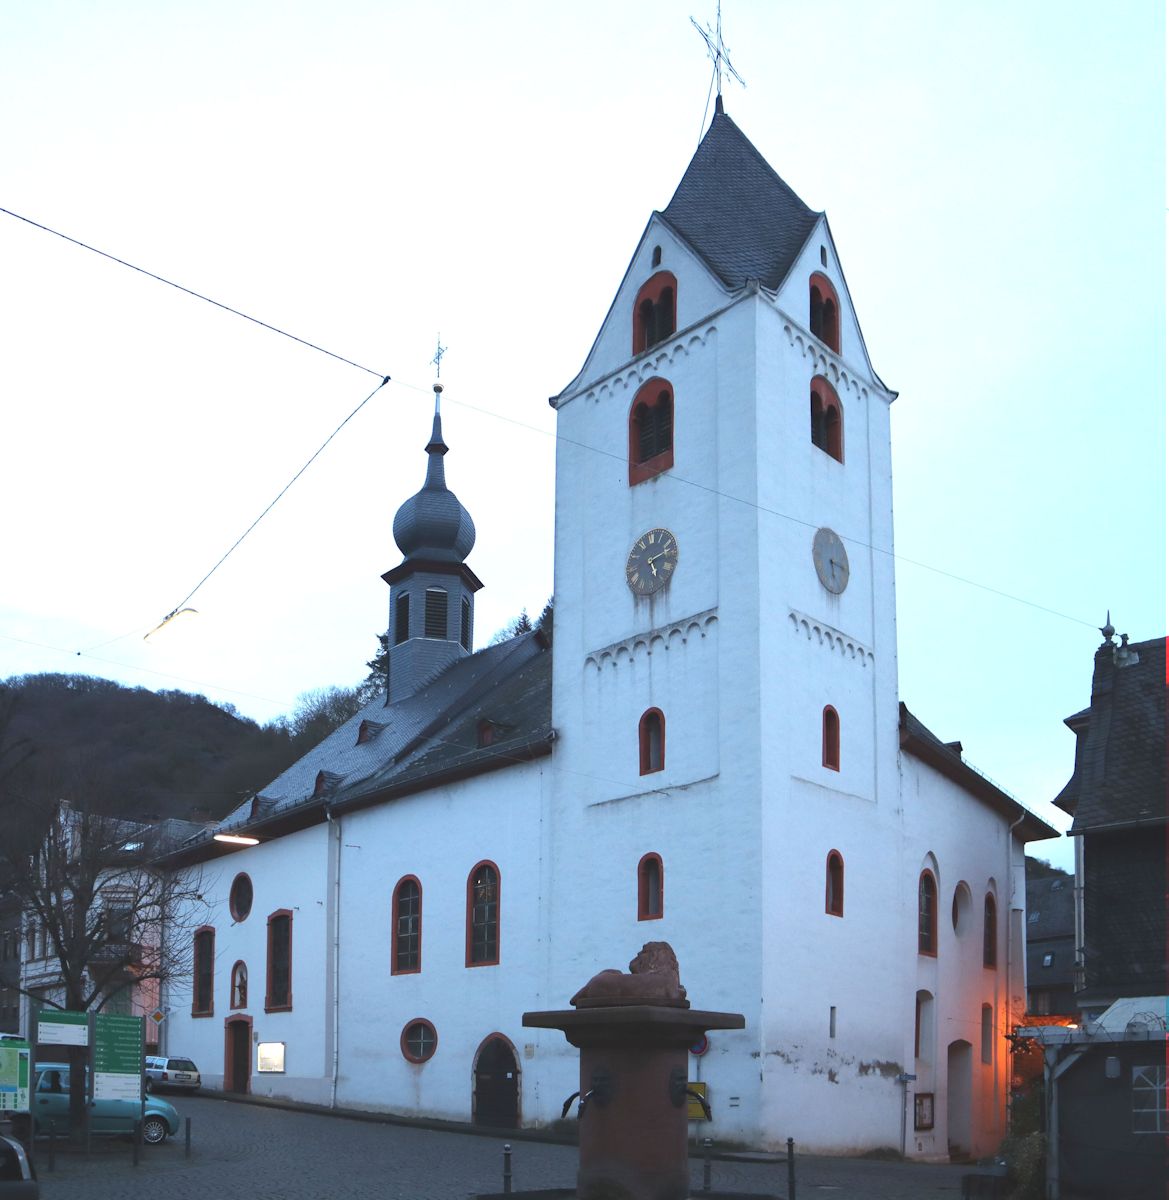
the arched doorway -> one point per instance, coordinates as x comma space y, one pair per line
959, 1096
237, 1055
496, 1100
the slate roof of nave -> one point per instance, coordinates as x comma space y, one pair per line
736, 212
427, 734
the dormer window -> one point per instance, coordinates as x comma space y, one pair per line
651, 431
827, 419
655, 311
824, 311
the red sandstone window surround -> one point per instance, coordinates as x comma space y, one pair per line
927, 914
655, 311
830, 738
239, 985
203, 981
278, 996
406, 948
651, 740
483, 887
419, 1040
827, 419
650, 888
834, 884
651, 431
824, 311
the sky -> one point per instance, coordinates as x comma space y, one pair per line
370, 176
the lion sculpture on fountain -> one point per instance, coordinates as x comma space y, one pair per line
652, 979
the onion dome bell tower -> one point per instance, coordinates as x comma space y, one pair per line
432, 591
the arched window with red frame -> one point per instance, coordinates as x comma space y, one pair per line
655, 311
650, 888
406, 948
203, 973
651, 741
927, 914
830, 738
824, 311
827, 425
483, 915
651, 431
990, 932
834, 884
278, 996
239, 985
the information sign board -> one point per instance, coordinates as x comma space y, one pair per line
58, 1028
693, 1105
117, 1057
14, 1072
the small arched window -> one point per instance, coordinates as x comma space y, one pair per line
923, 1026
824, 311
483, 916
927, 914
990, 932
651, 738
827, 424
834, 884
830, 738
651, 431
406, 951
239, 985
650, 894
655, 312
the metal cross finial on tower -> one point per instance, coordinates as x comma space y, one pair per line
717, 49
438, 353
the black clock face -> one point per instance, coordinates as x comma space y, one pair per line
831, 560
651, 562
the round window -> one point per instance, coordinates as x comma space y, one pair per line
240, 899
419, 1040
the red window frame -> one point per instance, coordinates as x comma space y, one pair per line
269, 1004
233, 994
990, 932
203, 946
827, 418
659, 321
824, 310
830, 738
407, 1053
484, 960
238, 912
834, 884
651, 396
645, 744
649, 890
927, 914
396, 932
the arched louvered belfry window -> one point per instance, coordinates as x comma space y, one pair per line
927, 914
651, 431
483, 915
406, 950
834, 884
651, 738
650, 890
827, 424
824, 311
990, 932
655, 311
830, 738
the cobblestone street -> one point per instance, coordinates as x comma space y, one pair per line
246, 1151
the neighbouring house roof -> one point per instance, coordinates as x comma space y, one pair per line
1051, 907
735, 212
1119, 776
948, 761
427, 738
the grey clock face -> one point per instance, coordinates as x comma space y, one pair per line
651, 562
831, 560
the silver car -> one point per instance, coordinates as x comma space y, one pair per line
165, 1072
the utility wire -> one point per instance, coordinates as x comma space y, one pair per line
189, 291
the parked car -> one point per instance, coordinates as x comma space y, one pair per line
164, 1072
50, 1105
18, 1180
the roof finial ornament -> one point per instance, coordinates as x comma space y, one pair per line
1106, 629
716, 48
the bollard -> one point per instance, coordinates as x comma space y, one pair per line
187, 1139
507, 1167
706, 1164
791, 1169
136, 1142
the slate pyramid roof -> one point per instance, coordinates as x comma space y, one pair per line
736, 212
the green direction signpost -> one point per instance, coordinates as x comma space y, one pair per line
58, 1028
14, 1073
117, 1057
